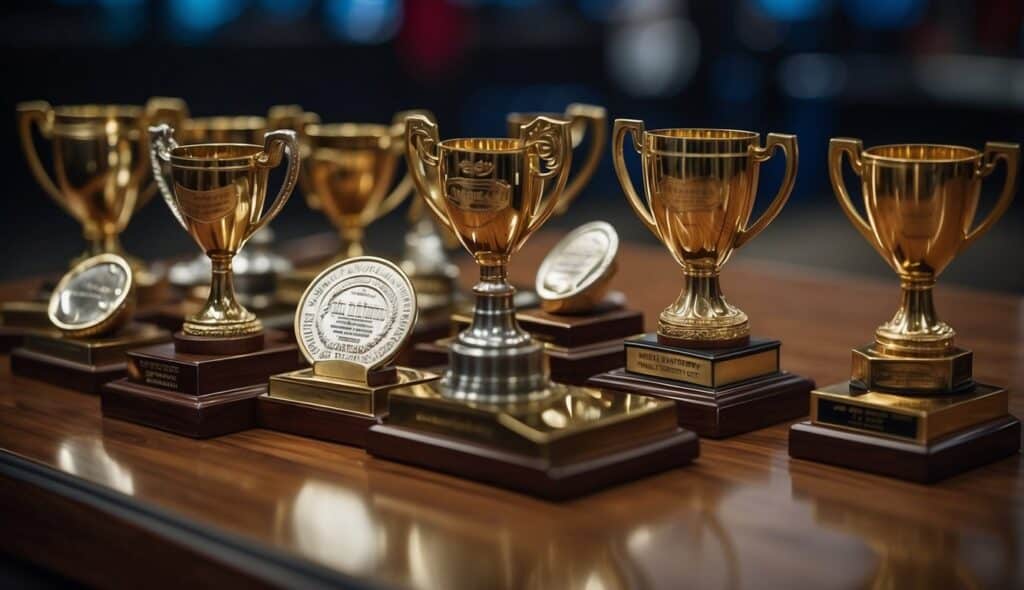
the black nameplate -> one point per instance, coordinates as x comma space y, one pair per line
867, 419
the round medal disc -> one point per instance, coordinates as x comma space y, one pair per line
94, 297
360, 310
582, 261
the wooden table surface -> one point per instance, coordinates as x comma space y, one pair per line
113, 503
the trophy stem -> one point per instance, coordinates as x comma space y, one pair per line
351, 242
222, 315
494, 360
915, 329
701, 317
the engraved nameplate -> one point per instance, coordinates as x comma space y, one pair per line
207, 206
872, 420
155, 373
478, 194
689, 195
678, 366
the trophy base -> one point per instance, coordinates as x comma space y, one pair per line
950, 372
573, 442
218, 346
723, 411
954, 454
82, 364
20, 318
330, 409
197, 395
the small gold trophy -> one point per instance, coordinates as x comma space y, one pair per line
350, 324
495, 415
349, 174
91, 308
911, 408
102, 171
700, 186
205, 383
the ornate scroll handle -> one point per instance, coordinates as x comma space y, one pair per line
787, 143
636, 129
995, 151
277, 144
421, 156
161, 142
158, 109
837, 146
41, 113
405, 186
548, 146
595, 118
294, 117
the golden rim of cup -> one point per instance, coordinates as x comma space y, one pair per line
703, 134
227, 123
921, 153
486, 145
88, 112
219, 153
347, 130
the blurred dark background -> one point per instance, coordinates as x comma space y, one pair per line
943, 71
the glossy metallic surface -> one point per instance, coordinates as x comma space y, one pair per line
921, 202
574, 276
94, 298
217, 192
699, 188
744, 515
493, 193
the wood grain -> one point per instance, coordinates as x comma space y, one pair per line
744, 515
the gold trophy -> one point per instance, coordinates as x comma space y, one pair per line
911, 408
101, 167
700, 186
495, 415
349, 174
90, 313
205, 382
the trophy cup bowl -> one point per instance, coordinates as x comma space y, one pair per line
217, 192
700, 186
584, 119
493, 193
349, 172
920, 202
101, 162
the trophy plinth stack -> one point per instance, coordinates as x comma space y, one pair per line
496, 416
205, 382
912, 408
90, 314
700, 188
351, 322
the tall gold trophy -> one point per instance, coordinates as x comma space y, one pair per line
206, 381
700, 186
495, 415
101, 169
912, 408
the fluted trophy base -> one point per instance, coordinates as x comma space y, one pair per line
701, 317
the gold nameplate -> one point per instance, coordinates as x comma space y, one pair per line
305, 387
917, 419
700, 371
938, 374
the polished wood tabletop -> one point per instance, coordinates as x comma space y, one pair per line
111, 503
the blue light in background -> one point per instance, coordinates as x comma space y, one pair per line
792, 10
123, 20
890, 14
286, 9
198, 18
364, 21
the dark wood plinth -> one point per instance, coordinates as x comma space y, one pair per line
197, 395
328, 424
82, 377
209, 345
606, 323
195, 416
532, 475
724, 411
957, 453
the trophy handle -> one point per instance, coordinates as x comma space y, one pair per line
596, 120
41, 113
294, 117
635, 128
837, 146
995, 151
787, 143
161, 142
406, 185
158, 109
275, 145
421, 141
551, 142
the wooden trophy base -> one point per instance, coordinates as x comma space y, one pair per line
197, 395
928, 463
82, 364
335, 410
20, 318
610, 438
720, 392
